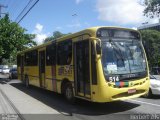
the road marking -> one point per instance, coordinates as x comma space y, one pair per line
145, 103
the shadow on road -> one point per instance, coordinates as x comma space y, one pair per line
153, 97
58, 103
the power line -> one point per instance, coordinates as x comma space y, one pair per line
15, 7
28, 11
23, 10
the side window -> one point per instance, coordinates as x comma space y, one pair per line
18, 60
64, 53
27, 57
31, 58
51, 54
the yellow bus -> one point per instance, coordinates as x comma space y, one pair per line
98, 64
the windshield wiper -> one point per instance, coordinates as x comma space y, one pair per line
135, 76
129, 78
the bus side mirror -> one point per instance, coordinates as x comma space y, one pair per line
98, 49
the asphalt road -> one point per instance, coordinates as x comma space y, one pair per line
134, 109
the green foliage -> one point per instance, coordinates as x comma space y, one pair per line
56, 35
13, 39
151, 42
49, 39
152, 8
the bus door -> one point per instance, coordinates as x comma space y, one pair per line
42, 68
82, 69
22, 68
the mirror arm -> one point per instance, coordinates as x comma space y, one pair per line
95, 40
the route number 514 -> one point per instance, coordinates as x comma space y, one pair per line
114, 79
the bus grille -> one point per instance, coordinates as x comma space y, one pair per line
126, 94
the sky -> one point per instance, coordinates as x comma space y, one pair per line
69, 16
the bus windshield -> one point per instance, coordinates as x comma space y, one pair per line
124, 58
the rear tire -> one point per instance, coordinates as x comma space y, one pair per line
68, 93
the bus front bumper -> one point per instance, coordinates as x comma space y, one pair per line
111, 93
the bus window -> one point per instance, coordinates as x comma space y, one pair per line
51, 54
18, 60
64, 54
31, 58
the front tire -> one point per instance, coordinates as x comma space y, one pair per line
69, 95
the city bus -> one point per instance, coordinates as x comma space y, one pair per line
98, 64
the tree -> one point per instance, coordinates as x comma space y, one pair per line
152, 8
151, 42
49, 39
13, 39
56, 35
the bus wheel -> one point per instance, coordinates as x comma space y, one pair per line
69, 93
26, 81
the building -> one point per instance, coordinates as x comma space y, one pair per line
150, 27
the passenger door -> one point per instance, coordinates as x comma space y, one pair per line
82, 68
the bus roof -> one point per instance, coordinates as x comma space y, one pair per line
91, 31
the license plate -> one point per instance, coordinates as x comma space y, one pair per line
130, 91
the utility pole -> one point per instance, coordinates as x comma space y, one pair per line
2, 6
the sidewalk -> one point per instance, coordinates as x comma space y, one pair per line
24, 103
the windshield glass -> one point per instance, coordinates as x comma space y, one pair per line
122, 57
